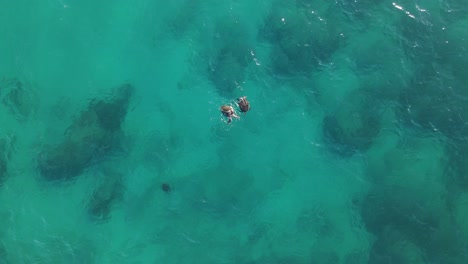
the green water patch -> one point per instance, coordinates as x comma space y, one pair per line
454, 51
410, 199
353, 126
333, 85
92, 135
435, 104
353, 150
301, 36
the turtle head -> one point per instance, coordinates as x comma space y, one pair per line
240, 99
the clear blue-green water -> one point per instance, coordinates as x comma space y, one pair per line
355, 149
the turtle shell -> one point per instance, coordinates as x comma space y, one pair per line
226, 108
244, 105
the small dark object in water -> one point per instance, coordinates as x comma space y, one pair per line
165, 187
244, 105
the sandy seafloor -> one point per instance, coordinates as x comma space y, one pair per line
354, 150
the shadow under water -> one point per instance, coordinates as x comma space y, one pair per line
94, 134
107, 193
5, 155
353, 126
18, 97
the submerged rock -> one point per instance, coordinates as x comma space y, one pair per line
3, 253
227, 71
5, 155
426, 104
18, 97
353, 126
394, 247
231, 55
301, 39
92, 136
106, 195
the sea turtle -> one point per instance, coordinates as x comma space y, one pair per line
244, 105
228, 111
166, 187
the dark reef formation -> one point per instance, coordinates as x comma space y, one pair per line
6, 149
104, 197
3, 254
410, 209
457, 170
435, 105
18, 97
183, 19
353, 126
301, 39
436, 96
94, 134
231, 57
409, 228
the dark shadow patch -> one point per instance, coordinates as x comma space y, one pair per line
19, 97
301, 39
104, 197
94, 134
353, 126
232, 56
6, 149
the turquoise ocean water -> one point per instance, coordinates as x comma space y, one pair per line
355, 149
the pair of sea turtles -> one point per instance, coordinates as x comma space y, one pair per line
229, 112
